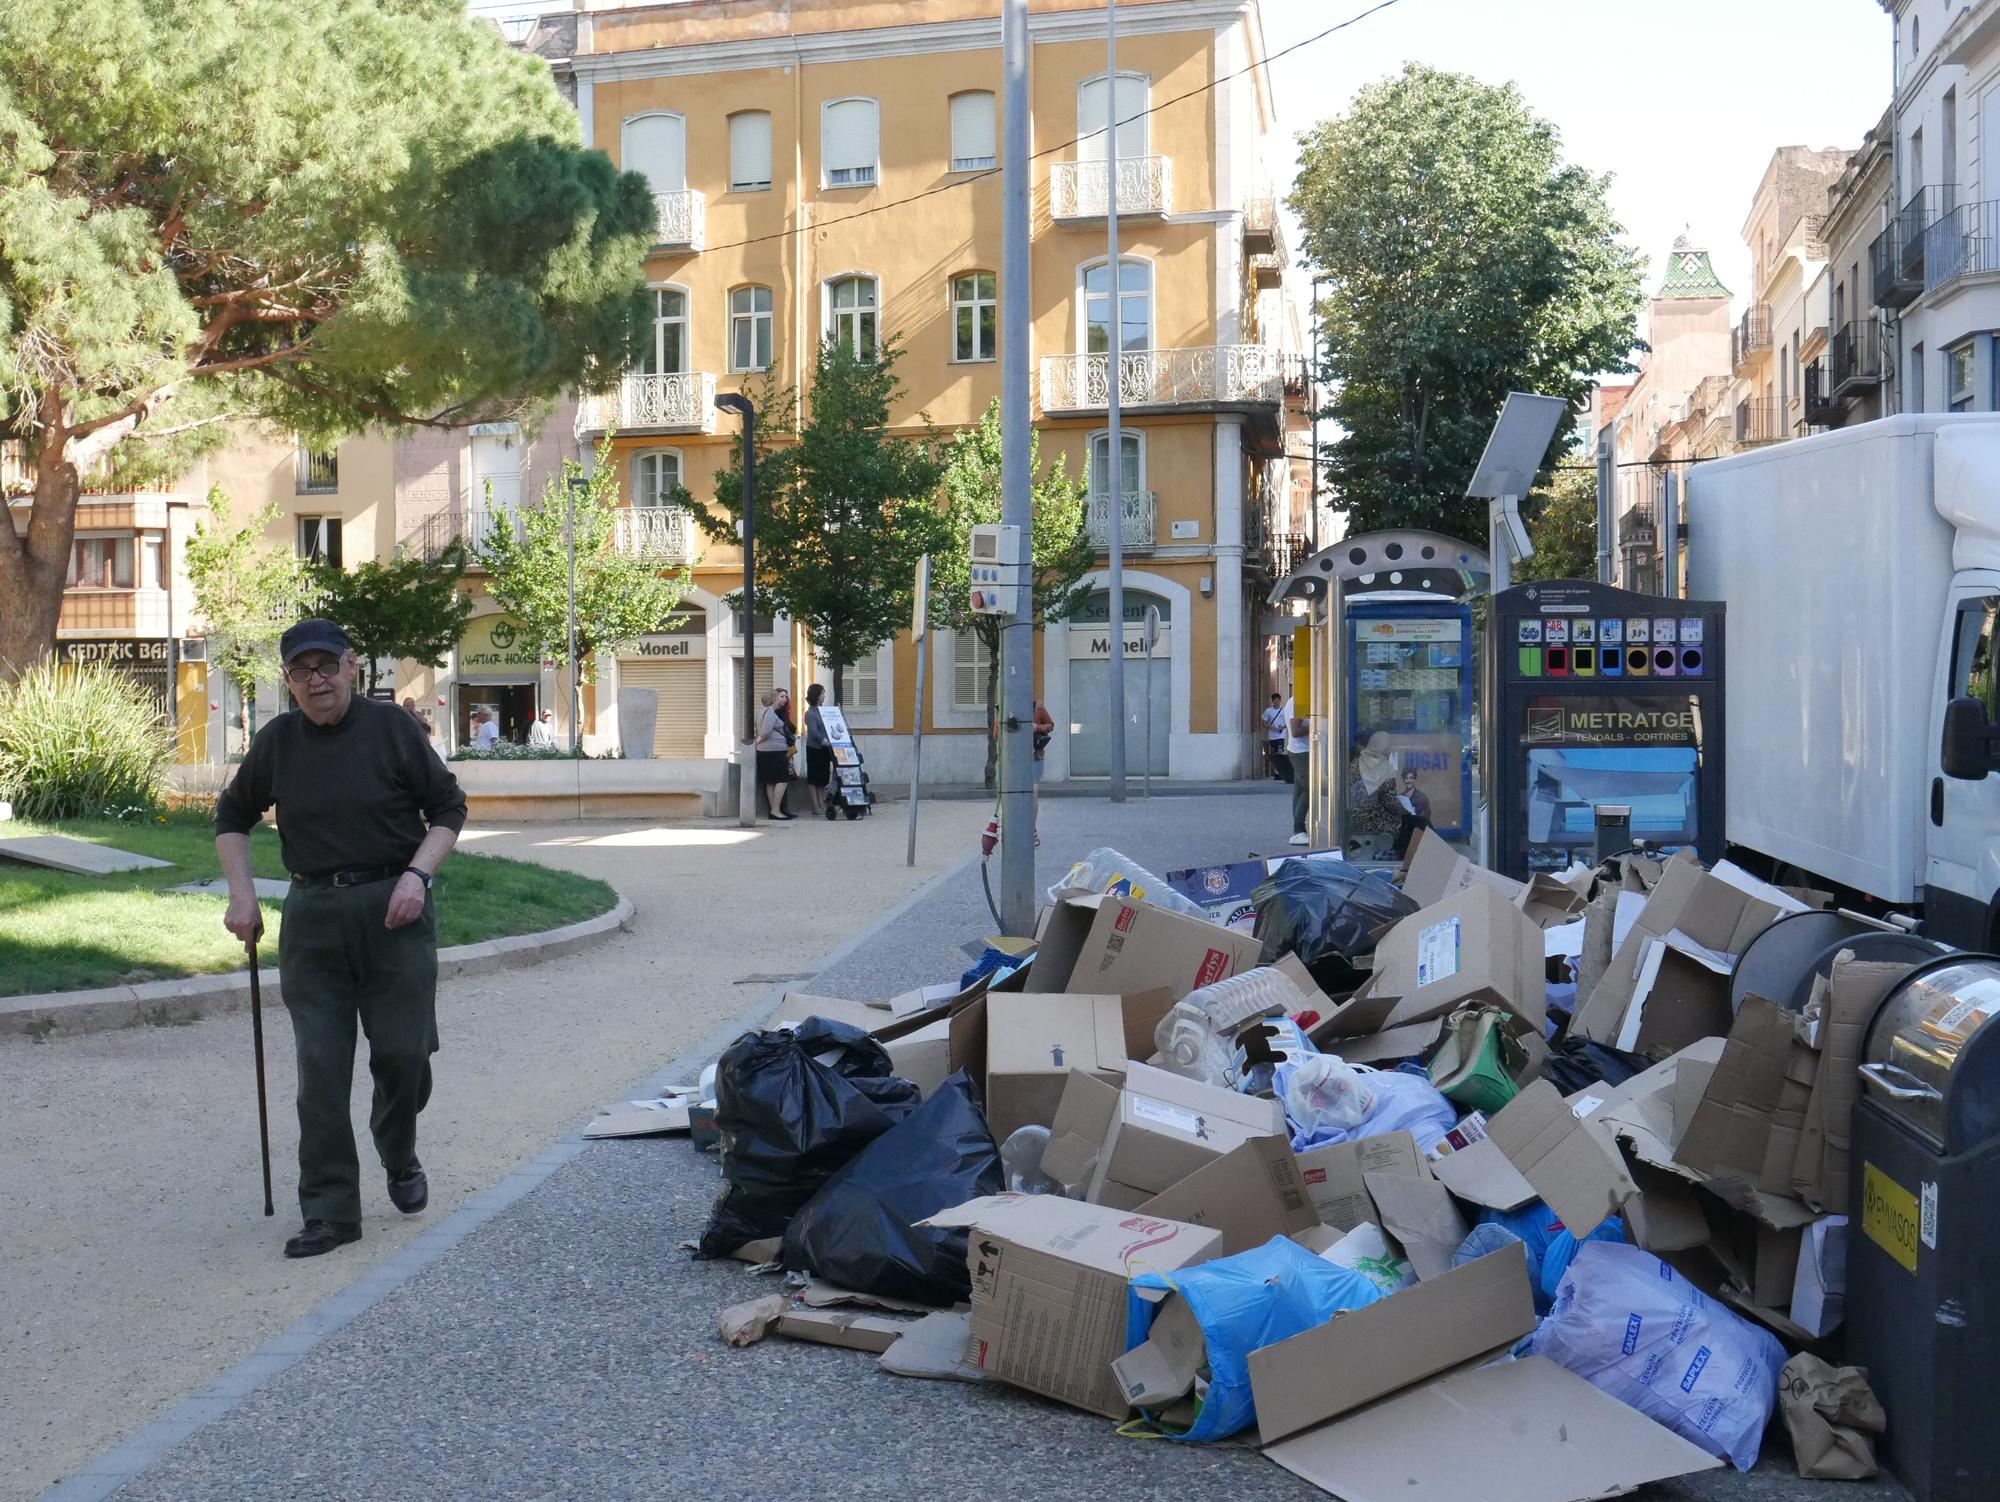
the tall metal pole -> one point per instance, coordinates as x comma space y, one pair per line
1017, 640
1312, 390
920, 619
1114, 360
1670, 535
746, 757
1606, 475
579, 487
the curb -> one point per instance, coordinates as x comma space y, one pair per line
104, 1474
174, 1003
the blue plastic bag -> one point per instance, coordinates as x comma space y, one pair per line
1403, 1102
1551, 1245
1244, 1303
1632, 1327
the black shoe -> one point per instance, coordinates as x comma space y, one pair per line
321, 1236
409, 1190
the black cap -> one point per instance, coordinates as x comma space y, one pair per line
313, 636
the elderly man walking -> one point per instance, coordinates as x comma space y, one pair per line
366, 812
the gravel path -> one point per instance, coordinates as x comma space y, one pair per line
566, 1347
135, 1261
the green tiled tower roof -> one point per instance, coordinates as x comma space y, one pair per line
1689, 273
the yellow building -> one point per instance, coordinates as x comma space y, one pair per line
824, 170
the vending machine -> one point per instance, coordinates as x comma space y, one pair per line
1409, 723
1602, 696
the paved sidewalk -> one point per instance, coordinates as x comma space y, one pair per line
565, 1347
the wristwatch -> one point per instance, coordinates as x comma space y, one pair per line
422, 876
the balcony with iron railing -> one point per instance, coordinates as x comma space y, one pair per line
1751, 340
1821, 407
1136, 525
1204, 376
679, 403
663, 534
1080, 191
1857, 357
474, 526
1261, 231
1896, 259
680, 220
1962, 242
1759, 421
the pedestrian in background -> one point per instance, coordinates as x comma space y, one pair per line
1275, 760
542, 734
774, 753
819, 748
485, 731
1298, 751
365, 815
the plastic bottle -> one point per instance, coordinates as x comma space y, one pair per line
1021, 1162
1194, 1038
1280, 1040
1106, 870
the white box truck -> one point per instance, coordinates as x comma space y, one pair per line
1861, 569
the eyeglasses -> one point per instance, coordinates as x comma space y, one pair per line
302, 673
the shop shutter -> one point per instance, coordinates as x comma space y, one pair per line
682, 718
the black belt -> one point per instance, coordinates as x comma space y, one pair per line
357, 878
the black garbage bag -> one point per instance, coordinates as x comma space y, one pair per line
793, 1106
1576, 1063
860, 1230
1326, 911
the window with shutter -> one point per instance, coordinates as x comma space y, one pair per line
850, 140
860, 684
656, 145
972, 132
1132, 101
969, 659
749, 151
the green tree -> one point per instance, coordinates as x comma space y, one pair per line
247, 591
1562, 524
409, 607
1061, 550
325, 214
620, 594
1464, 259
844, 510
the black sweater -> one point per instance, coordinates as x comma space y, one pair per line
359, 793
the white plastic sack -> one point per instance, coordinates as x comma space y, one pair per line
1634, 1328
1323, 1093
1401, 1102
1106, 870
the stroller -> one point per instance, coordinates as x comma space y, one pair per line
847, 793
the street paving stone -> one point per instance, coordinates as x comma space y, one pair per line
59, 852
567, 1348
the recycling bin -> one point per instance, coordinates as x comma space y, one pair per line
1922, 1286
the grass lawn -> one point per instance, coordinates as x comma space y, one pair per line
68, 933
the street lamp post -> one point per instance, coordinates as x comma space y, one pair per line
746, 770
579, 488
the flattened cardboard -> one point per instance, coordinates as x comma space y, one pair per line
1536, 1147
1250, 1194
850, 1328
1665, 1215
1367, 1353
644, 1118
1048, 1288
1033, 1041
1436, 871
1166, 1127
1707, 909
1334, 1176
936, 1346
1730, 1127
1420, 1214
1473, 946
1131, 947
1392, 1043
1679, 995
1855, 990
1548, 901
1528, 1430
1162, 1367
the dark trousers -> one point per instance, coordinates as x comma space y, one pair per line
1279, 765
340, 967
1301, 776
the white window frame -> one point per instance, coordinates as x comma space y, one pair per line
1092, 147
872, 169
946, 712
1137, 436
624, 155
883, 715
640, 457
324, 527
737, 183
830, 316
975, 162
979, 355
686, 321
1957, 397
769, 319
1083, 296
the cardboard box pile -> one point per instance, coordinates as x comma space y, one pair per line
1727, 1157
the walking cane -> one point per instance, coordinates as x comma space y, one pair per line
257, 1036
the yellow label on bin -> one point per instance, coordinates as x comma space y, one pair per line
1889, 1215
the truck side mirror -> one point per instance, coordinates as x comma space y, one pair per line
1967, 753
